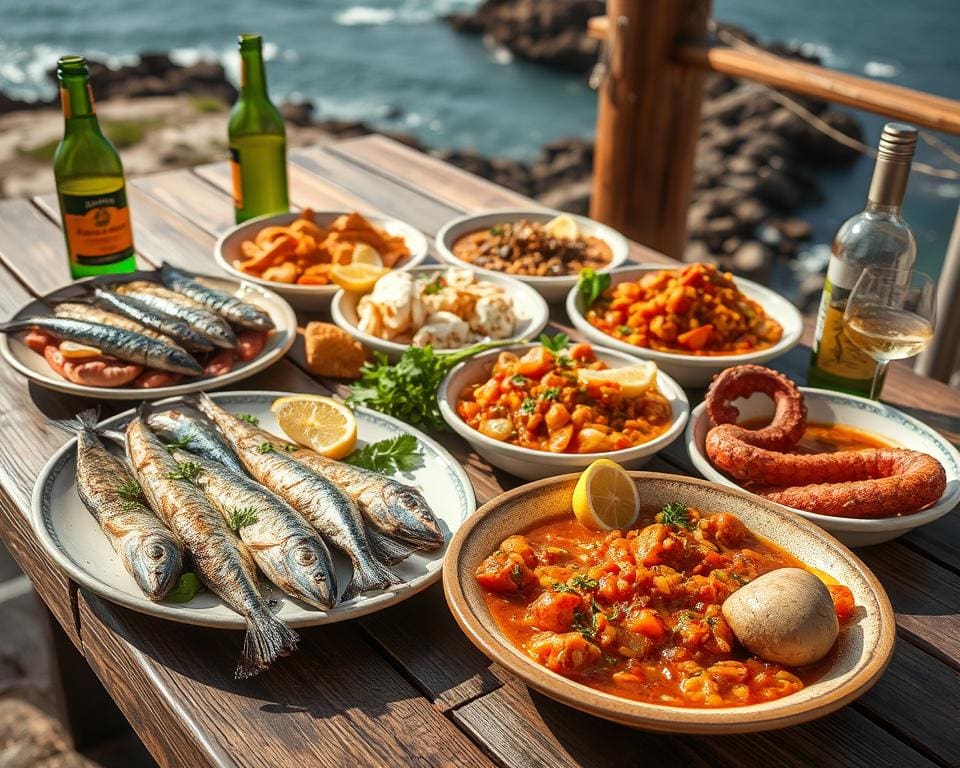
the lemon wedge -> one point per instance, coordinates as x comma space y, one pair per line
356, 277
322, 423
563, 227
634, 380
366, 254
606, 498
74, 351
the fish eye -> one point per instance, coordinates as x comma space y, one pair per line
306, 556
155, 552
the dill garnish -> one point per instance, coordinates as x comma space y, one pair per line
180, 442
675, 514
186, 470
242, 517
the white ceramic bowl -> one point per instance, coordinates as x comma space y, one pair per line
553, 289
534, 465
314, 297
837, 408
695, 370
531, 310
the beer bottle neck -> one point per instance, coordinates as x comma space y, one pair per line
253, 79
888, 186
76, 99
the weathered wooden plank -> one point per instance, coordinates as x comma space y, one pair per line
187, 194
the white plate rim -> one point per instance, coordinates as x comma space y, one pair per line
285, 324
40, 502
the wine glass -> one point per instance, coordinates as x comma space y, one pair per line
890, 315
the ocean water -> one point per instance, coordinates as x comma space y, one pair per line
395, 64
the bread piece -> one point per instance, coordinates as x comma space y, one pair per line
332, 352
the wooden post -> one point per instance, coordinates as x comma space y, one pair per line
648, 121
940, 359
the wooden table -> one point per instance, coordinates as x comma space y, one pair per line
405, 686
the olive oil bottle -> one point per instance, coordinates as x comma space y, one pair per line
877, 236
258, 141
90, 185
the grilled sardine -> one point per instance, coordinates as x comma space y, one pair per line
230, 308
189, 429
135, 309
78, 311
208, 324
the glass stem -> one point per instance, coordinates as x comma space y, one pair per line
876, 385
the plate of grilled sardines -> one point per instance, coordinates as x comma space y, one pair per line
197, 510
148, 334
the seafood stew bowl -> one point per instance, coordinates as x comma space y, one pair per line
695, 370
856, 663
825, 406
531, 464
531, 310
227, 253
35, 367
71, 536
553, 289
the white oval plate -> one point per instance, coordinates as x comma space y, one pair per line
869, 415
227, 252
73, 539
35, 368
695, 370
552, 289
529, 307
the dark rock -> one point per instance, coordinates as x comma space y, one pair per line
753, 259
777, 189
574, 198
750, 212
794, 228
297, 113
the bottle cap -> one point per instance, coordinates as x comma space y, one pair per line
898, 142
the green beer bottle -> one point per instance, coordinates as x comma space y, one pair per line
90, 186
258, 141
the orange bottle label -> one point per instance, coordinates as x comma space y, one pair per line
97, 227
236, 177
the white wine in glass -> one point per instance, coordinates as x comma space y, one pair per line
890, 315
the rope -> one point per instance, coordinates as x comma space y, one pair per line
841, 138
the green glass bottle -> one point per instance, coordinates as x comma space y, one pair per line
258, 141
90, 185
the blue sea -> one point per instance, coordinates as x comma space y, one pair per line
394, 64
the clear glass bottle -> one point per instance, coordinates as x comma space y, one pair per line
877, 236
258, 142
90, 183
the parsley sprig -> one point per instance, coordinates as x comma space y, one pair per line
242, 517
130, 493
591, 285
556, 343
186, 470
401, 453
249, 418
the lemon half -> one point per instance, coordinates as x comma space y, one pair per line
606, 498
322, 423
634, 380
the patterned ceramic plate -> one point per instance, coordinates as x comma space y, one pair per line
72, 537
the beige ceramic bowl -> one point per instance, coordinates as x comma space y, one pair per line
860, 657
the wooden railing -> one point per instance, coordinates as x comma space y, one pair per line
657, 55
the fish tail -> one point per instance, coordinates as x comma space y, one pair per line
387, 549
369, 573
13, 325
266, 640
82, 421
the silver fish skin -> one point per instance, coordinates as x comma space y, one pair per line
192, 430
77, 311
149, 551
323, 504
222, 562
136, 310
230, 308
208, 324
122, 344
288, 550
390, 507
388, 549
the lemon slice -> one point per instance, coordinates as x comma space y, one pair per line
322, 423
634, 380
562, 227
366, 254
74, 351
606, 497
356, 277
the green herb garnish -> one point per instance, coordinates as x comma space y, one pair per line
556, 343
564, 361
550, 393
434, 286
186, 470
586, 626
266, 448
584, 582
591, 285
249, 418
242, 517
519, 380
516, 575
675, 514
180, 442
401, 452
497, 230
187, 587
562, 586
131, 495
528, 406
290, 448
625, 330
408, 390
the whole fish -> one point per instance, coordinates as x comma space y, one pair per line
189, 429
230, 308
168, 325
79, 311
322, 503
209, 325
122, 344
392, 508
222, 562
288, 550
149, 551
387, 549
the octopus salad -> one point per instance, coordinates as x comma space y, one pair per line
445, 310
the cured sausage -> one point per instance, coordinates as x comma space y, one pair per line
94, 371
